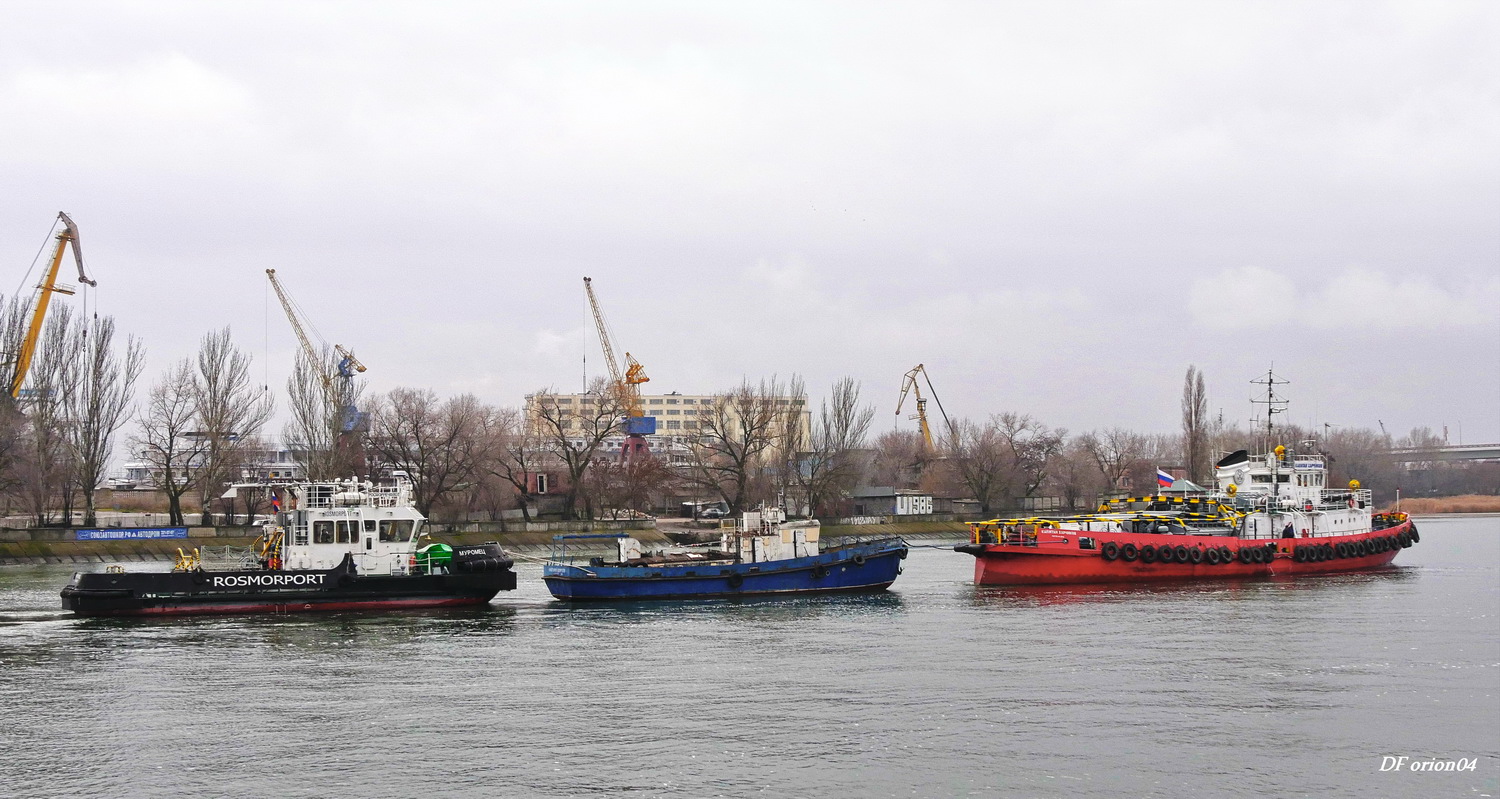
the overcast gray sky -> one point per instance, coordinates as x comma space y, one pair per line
1057, 207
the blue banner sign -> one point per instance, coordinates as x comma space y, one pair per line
122, 533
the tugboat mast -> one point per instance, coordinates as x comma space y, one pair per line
1274, 405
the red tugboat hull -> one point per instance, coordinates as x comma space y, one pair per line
1062, 556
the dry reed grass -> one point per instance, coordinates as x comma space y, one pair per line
1468, 503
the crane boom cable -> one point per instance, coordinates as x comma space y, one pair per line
293, 315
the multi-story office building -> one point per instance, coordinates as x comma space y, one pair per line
677, 415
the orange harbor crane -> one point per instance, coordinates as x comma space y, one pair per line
44, 292
625, 381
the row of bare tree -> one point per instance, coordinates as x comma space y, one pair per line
201, 427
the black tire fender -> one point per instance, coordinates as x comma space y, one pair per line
1129, 552
1149, 554
859, 560
735, 580
1110, 550
1212, 556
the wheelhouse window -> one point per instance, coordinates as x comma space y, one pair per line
395, 529
348, 532
322, 532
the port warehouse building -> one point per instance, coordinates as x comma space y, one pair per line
677, 417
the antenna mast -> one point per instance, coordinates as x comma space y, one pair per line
1274, 403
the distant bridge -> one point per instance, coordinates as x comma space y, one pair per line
1455, 452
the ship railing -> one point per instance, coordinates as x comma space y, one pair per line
1023, 534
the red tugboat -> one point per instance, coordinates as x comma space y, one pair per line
1270, 515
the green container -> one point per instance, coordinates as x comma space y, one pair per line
435, 555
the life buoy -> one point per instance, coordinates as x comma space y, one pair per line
1110, 550
736, 580
859, 560
1129, 552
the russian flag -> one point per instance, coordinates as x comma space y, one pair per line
275, 503
1164, 480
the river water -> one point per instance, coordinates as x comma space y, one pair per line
1288, 687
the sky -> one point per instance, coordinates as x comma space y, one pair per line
1057, 207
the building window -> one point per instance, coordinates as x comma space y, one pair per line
673, 424
671, 401
673, 411
656, 402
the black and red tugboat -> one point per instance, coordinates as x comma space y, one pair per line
338, 545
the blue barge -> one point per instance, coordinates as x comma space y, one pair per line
759, 558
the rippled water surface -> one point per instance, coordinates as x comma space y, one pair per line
937, 688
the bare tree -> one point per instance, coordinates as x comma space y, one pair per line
326, 428
230, 410
1033, 446
734, 438
97, 393
899, 460
1114, 452
827, 467
513, 453
438, 444
979, 454
49, 475
574, 434
168, 439
1194, 425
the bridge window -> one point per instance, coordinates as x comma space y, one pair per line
348, 532
395, 529
322, 532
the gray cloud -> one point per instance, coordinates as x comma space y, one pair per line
1057, 207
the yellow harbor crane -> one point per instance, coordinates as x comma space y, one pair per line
909, 385
348, 365
625, 381
44, 292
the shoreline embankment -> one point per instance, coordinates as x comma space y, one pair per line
35, 546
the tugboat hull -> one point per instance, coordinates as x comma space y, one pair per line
1061, 558
192, 593
860, 567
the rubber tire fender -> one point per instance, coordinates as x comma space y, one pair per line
1110, 550
819, 571
1129, 552
1247, 554
1212, 556
1195, 555
1226, 555
1180, 553
1149, 555
1416, 537
735, 580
